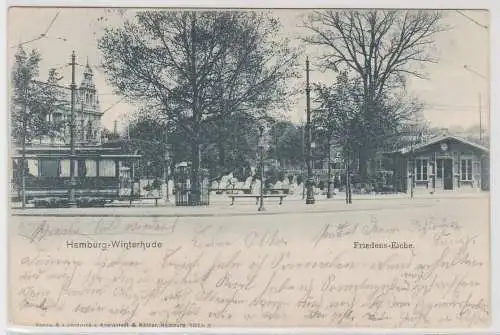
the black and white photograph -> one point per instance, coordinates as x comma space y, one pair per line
226, 167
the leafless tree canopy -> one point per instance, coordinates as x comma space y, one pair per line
382, 46
381, 49
199, 65
199, 68
341, 118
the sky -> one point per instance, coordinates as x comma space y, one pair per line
453, 95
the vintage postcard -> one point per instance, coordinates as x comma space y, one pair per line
249, 168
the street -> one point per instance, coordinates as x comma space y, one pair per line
209, 168
220, 206
423, 262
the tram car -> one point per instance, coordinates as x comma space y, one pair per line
102, 175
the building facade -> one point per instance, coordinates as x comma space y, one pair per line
88, 114
444, 163
101, 168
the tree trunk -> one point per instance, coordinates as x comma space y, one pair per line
23, 148
370, 117
222, 157
364, 156
23, 170
195, 192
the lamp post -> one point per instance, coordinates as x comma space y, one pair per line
348, 192
329, 193
313, 147
261, 154
310, 181
414, 138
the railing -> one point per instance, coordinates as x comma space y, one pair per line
316, 172
63, 182
41, 187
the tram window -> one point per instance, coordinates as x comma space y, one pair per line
48, 168
16, 168
65, 166
81, 170
107, 168
32, 167
91, 168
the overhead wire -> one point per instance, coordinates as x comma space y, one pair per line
472, 20
42, 35
113, 105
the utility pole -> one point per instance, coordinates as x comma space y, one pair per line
304, 159
310, 181
480, 107
72, 180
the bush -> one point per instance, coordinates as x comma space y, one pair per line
321, 185
156, 184
272, 176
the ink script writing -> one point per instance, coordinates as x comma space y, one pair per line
282, 270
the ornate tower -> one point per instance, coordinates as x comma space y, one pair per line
89, 116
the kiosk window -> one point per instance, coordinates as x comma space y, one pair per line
421, 169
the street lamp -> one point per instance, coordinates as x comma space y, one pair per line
329, 193
348, 192
310, 181
415, 135
313, 147
261, 153
148, 174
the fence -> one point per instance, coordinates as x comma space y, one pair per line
186, 195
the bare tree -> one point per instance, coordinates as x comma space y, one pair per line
199, 67
340, 120
381, 47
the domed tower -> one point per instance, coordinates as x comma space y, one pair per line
88, 109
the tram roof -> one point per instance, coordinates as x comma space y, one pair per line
68, 156
65, 151
67, 148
